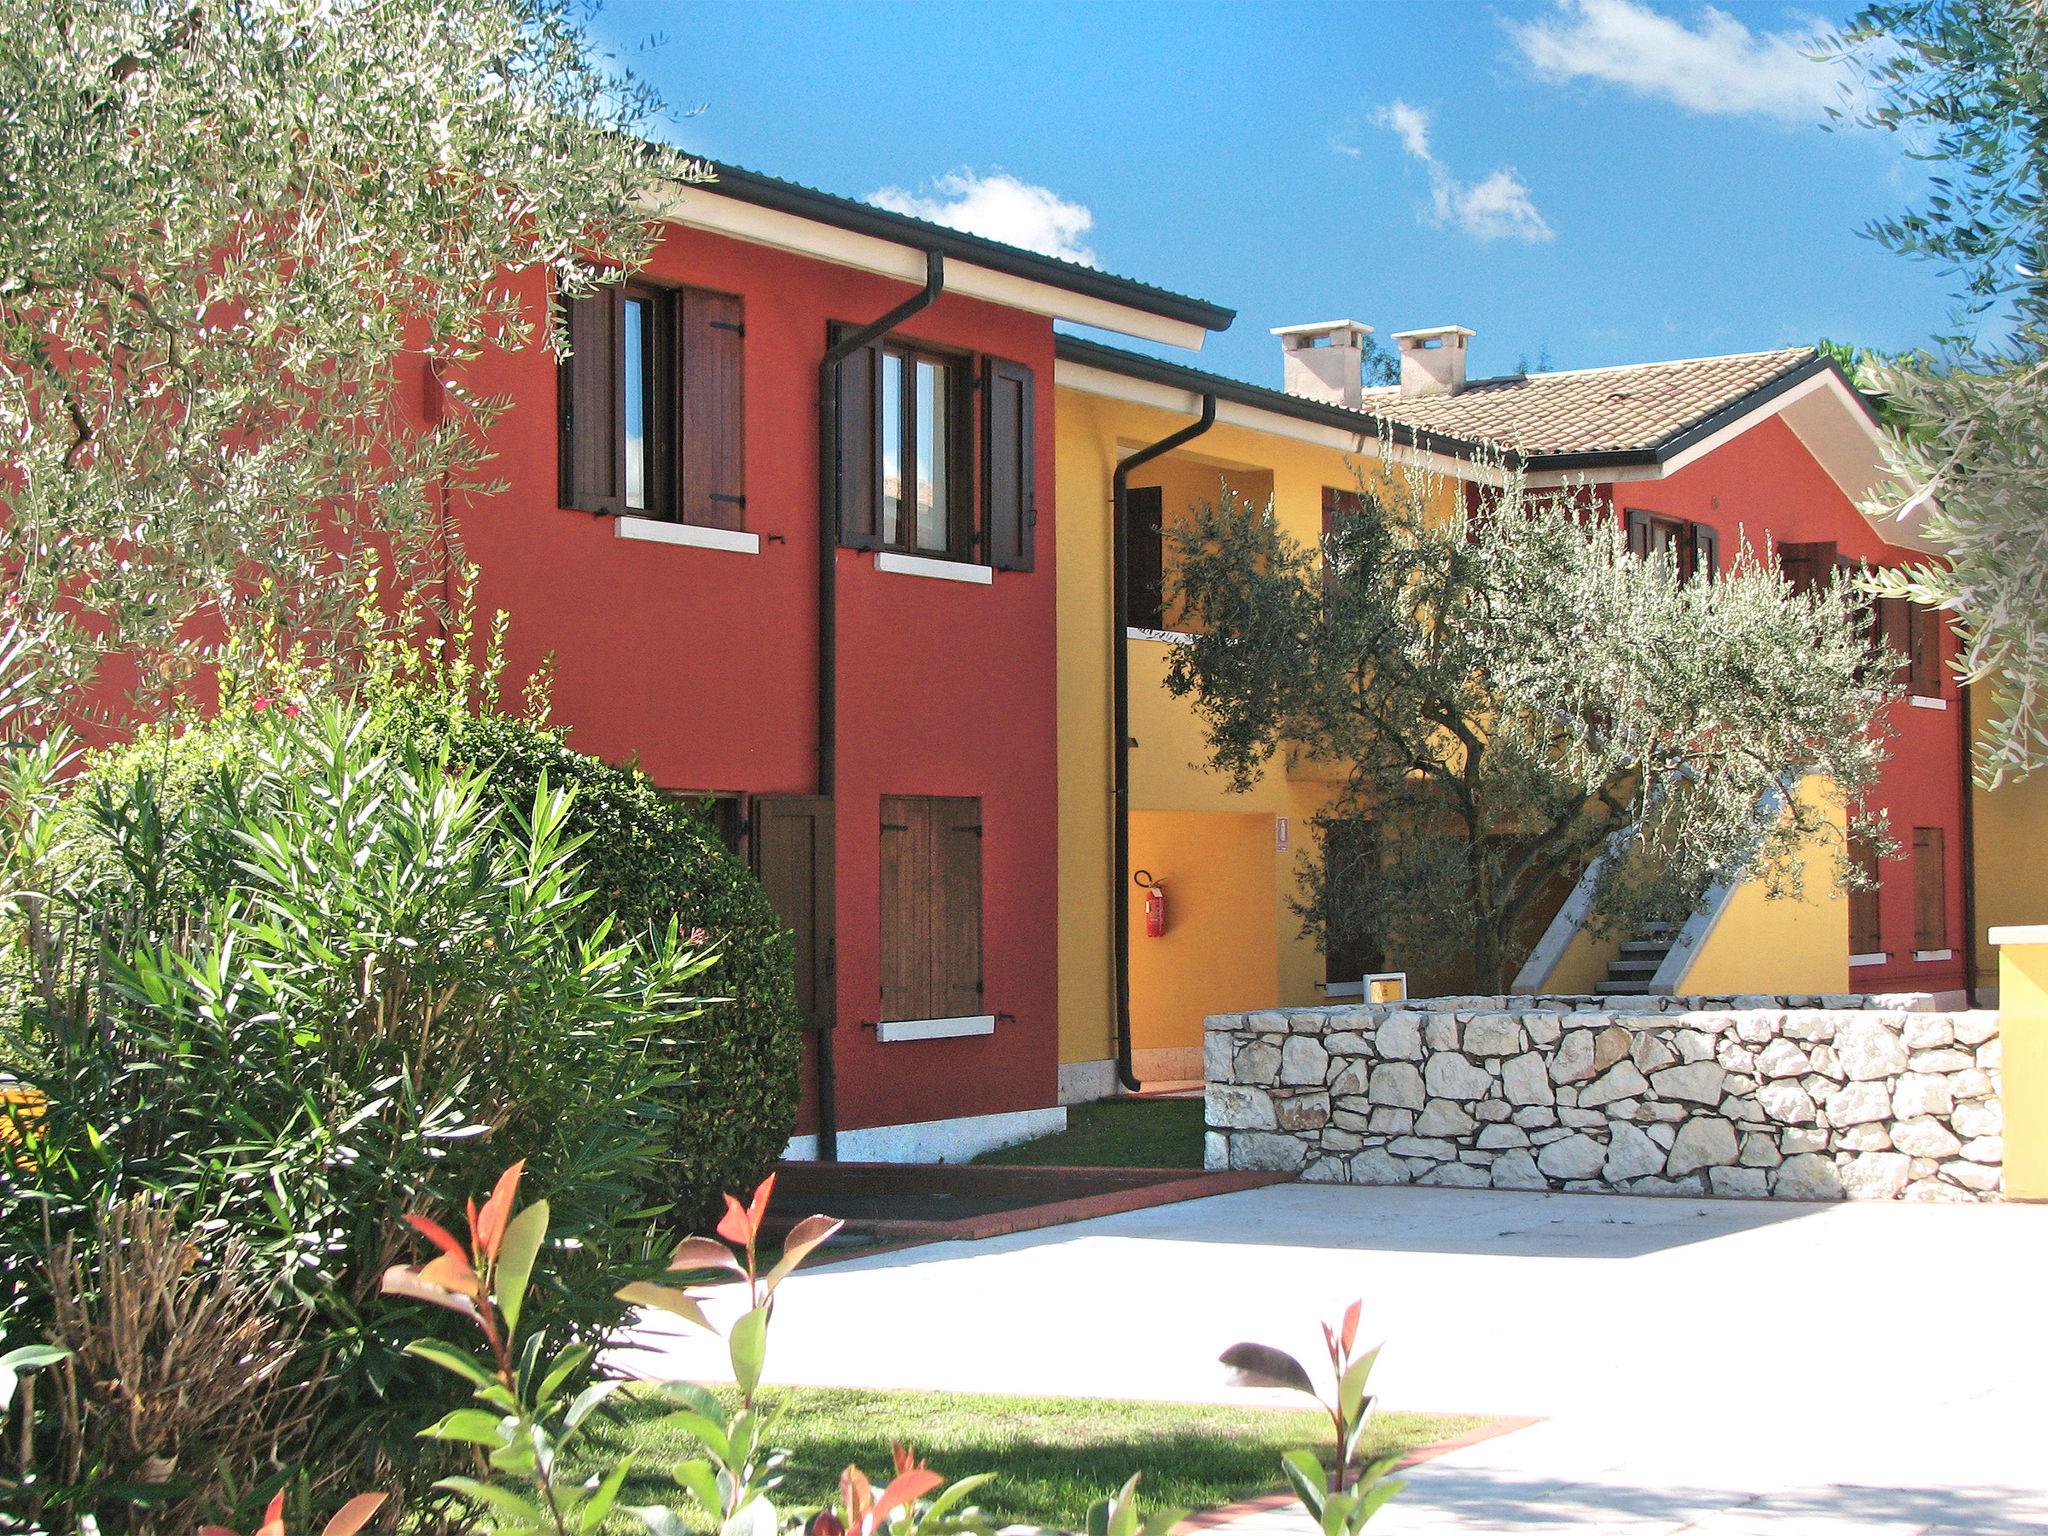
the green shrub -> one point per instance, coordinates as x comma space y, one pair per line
326, 981
653, 859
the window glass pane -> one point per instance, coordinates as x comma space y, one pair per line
892, 448
931, 456
636, 403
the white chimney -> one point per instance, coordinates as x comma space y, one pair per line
1324, 361
1432, 360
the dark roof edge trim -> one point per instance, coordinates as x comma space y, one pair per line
859, 218
1706, 427
1094, 354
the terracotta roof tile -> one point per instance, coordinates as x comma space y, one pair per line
1592, 410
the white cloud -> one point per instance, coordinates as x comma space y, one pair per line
1495, 207
998, 206
1411, 125
1716, 65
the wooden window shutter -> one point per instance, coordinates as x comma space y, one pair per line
931, 908
906, 908
1706, 552
1866, 932
857, 437
593, 385
1807, 566
1895, 626
1924, 653
711, 428
1009, 436
1337, 506
1145, 557
1638, 524
956, 900
1930, 889
791, 844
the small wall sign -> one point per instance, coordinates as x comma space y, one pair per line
1280, 833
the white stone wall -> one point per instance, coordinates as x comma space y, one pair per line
1800, 1098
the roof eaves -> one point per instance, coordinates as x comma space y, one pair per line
1682, 438
864, 218
1137, 365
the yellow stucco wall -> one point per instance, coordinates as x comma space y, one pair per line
1220, 946
1757, 945
1171, 790
1788, 945
2012, 855
2023, 1031
1085, 461
1585, 962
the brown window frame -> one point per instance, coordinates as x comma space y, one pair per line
661, 375
663, 391
963, 533
1691, 538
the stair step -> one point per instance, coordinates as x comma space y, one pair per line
1663, 928
1623, 988
1629, 966
1648, 947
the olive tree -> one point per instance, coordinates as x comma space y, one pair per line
1508, 693
224, 225
1965, 85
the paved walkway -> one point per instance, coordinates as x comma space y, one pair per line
1718, 1367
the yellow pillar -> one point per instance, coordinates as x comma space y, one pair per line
2023, 1029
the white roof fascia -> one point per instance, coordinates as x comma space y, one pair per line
1829, 421
1183, 402
703, 208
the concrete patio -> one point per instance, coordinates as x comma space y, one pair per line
1700, 1366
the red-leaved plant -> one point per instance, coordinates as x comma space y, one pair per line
347, 1520
528, 1417
528, 1414
1351, 1493
715, 1262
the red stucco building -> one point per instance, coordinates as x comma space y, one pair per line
889, 771
1773, 450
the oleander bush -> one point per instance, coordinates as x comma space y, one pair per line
652, 859
289, 990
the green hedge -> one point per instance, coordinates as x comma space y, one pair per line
650, 856
653, 857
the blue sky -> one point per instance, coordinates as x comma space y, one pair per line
1608, 180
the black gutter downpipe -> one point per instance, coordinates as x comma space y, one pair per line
1120, 701
828, 637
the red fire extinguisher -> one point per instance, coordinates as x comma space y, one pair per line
1155, 904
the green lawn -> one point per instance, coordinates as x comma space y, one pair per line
1053, 1456
1117, 1133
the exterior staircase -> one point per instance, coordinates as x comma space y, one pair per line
1629, 973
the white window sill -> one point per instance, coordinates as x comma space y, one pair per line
653, 531
937, 570
936, 1029
1164, 636
1934, 954
1856, 960
1922, 701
